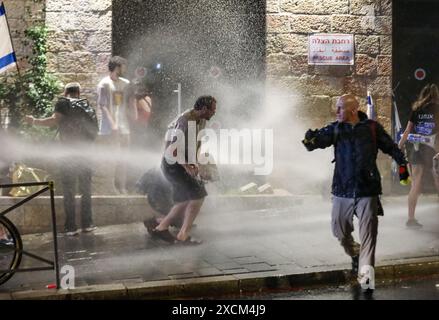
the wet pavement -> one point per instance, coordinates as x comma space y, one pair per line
290, 240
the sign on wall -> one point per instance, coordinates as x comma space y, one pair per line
331, 49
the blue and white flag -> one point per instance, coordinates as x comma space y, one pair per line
371, 113
7, 54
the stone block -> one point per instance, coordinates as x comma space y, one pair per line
99, 41
95, 21
294, 43
365, 65
299, 65
385, 8
273, 44
381, 86
364, 7
315, 6
52, 62
355, 85
310, 24
70, 21
100, 5
319, 85
66, 77
273, 6
352, 24
315, 106
16, 24
334, 71
278, 64
14, 9
278, 23
76, 61
386, 45
369, 45
383, 25
385, 65
59, 41
57, 5
384, 106
102, 60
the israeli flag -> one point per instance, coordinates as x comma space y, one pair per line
7, 54
371, 113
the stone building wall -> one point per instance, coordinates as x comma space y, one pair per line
289, 22
80, 46
79, 41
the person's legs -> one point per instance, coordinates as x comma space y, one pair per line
342, 224
366, 210
85, 178
177, 210
68, 179
121, 167
192, 210
415, 190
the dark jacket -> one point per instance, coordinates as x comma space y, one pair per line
356, 148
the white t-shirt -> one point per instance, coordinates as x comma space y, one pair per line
112, 95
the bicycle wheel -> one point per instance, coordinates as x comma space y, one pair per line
10, 249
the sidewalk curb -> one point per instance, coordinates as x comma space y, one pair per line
231, 284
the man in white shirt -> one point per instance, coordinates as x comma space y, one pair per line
114, 125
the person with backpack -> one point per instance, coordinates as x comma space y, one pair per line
356, 184
77, 127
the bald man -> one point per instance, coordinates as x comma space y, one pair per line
356, 184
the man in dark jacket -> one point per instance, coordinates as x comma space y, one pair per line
356, 184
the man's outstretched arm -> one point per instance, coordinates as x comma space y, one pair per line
319, 138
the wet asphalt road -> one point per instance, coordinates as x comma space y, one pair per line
419, 289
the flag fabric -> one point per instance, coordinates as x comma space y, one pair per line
398, 125
7, 54
371, 114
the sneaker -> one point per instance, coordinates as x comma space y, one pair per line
413, 223
89, 228
366, 278
71, 233
355, 262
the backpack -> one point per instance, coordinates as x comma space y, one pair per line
82, 118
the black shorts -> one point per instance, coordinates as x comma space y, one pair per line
184, 186
424, 156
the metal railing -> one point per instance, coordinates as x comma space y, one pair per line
53, 265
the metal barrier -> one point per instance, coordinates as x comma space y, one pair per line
53, 265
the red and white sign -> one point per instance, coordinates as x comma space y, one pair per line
420, 74
331, 49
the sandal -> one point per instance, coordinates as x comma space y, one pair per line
188, 242
150, 224
164, 235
